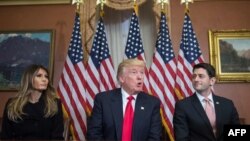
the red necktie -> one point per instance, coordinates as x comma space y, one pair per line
210, 113
128, 121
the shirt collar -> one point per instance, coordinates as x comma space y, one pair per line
125, 95
200, 97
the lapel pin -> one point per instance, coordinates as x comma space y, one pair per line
217, 102
142, 108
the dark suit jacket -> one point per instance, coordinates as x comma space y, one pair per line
192, 124
106, 120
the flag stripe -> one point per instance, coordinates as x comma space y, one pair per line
107, 77
70, 108
189, 55
100, 73
92, 85
71, 100
162, 76
71, 87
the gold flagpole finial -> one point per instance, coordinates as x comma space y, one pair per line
162, 2
186, 3
77, 2
135, 6
101, 2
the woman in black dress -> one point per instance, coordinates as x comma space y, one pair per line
35, 112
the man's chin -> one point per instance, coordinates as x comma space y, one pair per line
139, 90
199, 90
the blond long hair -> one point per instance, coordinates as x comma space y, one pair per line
15, 106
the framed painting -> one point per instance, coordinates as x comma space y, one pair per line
33, 2
19, 49
230, 54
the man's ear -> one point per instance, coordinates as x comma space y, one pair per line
121, 79
212, 81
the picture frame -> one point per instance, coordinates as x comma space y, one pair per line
33, 2
230, 54
19, 49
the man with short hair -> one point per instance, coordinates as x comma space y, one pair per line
201, 117
109, 119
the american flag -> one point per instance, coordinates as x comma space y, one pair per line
189, 55
162, 75
71, 87
100, 74
134, 48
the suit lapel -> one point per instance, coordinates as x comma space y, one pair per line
117, 111
200, 110
218, 114
139, 114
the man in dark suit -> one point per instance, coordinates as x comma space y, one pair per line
191, 122
107, 121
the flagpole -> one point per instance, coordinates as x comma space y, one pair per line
163, 3
189, 45
135, 7
164, 8
77, 2
186, 4
102, 3
72, 81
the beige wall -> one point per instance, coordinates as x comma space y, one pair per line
205, 15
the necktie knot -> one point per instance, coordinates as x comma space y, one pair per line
130, 98
207, 100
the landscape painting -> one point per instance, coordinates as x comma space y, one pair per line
230, 54
19, 49
235, 55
